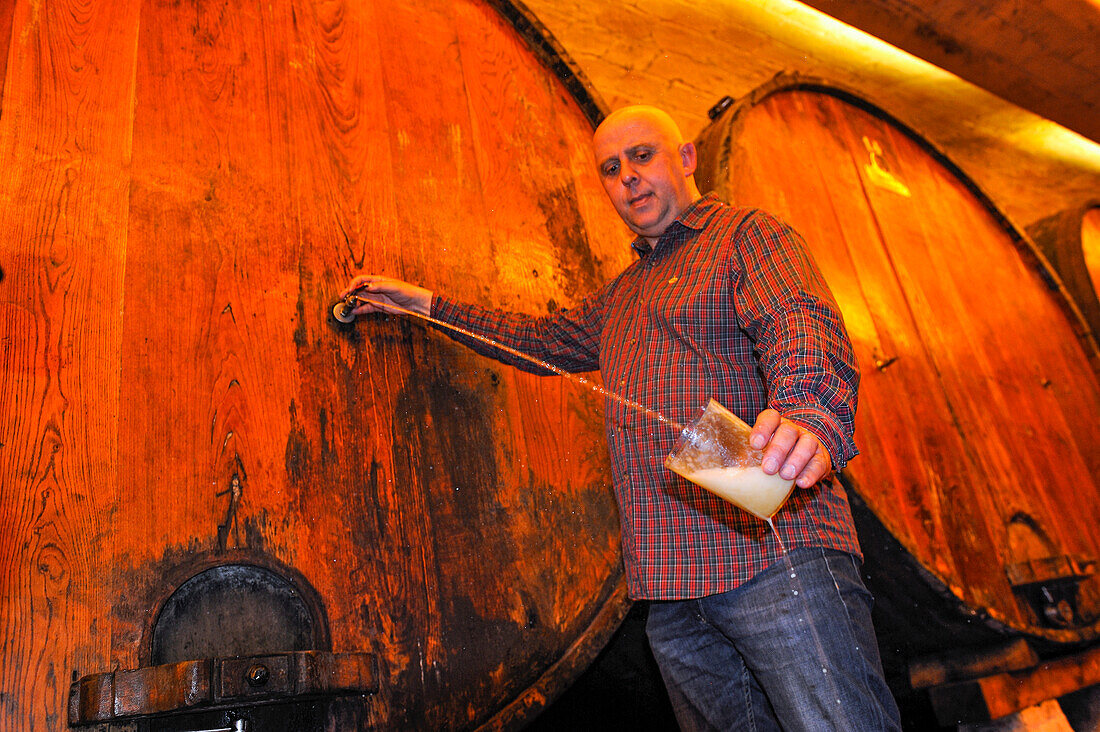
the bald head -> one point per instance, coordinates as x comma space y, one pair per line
655, 119
646, 167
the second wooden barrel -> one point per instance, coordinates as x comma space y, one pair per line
979, 412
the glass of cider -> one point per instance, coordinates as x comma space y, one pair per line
713, 452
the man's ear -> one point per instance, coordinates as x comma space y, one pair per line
689, 158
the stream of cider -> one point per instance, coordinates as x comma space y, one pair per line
629, 403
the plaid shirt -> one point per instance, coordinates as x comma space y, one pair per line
728, 305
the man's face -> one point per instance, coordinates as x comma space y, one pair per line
645, 171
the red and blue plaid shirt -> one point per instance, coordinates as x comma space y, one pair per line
728, 305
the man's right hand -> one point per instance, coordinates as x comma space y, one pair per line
384, 292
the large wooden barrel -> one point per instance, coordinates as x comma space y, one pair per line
979, 412
198, 464
1071, 242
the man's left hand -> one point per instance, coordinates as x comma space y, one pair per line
789, 449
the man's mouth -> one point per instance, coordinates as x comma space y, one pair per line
639, 199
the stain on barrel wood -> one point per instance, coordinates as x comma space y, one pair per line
979, 414
181, 206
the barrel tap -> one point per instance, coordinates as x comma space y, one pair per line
342, 309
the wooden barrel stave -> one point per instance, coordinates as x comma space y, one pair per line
64, 195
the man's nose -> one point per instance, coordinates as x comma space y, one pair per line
628, 175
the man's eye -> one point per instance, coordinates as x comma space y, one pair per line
643, 155
610, 169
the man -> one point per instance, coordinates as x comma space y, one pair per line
724, 303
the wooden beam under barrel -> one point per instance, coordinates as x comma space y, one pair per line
1000, 695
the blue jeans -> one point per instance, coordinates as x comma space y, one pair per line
777, 653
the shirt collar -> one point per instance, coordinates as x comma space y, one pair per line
693, 217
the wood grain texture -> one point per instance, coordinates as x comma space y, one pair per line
7, 13
65, 147
979, 417
169, 341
